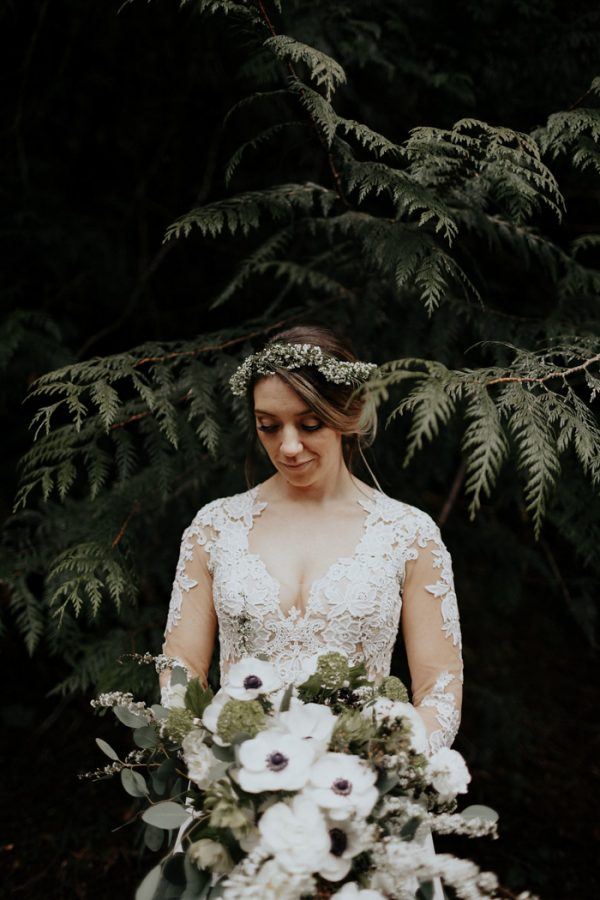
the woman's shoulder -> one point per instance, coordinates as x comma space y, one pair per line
409, 517
233, 506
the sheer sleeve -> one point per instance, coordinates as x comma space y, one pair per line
432, 637
191, 622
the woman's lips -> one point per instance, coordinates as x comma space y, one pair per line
296, 465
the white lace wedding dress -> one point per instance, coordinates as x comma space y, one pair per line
399, 575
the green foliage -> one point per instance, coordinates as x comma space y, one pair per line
413, 239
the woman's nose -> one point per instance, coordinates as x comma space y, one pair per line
290, 443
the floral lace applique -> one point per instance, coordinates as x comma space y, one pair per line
354, 608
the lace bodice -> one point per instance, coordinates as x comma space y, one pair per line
400, 568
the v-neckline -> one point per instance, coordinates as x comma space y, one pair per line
294, 613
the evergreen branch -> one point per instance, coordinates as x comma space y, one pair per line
322, 68
243, 212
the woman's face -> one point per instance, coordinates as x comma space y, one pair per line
299, 445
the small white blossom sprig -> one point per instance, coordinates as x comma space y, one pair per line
295, 356
119, 698
161, 661
135, 757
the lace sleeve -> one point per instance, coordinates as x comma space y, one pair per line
192, 622
431, 632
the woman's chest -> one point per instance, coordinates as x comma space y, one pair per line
346, 572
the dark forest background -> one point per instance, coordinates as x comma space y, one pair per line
114, 126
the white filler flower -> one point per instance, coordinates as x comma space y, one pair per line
309, 721
343, 785
448, 772
251, 677
351, 890
296, 834
172, 696
199, 758
274, 761
386, 710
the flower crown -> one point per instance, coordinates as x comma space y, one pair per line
294, 356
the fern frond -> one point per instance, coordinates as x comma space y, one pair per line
484, 444
536, 445
273, 246
243, 212
322, 69
84, 575
256, 142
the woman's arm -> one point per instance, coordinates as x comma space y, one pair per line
431, 631
192, 622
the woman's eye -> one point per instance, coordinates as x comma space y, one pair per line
267, 428
312, 427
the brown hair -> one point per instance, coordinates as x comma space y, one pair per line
339, 406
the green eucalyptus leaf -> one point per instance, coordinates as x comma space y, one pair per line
226, 754
132, 720
148, 887
153, 837
106, 748
146, 737
409, 829
134, 783
159, 711
178, 676
478, 811
173, 870
167, 814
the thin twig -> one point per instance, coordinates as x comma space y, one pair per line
531, 379
453, 493
332, 166
134, 511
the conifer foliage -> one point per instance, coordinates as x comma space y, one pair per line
413, 243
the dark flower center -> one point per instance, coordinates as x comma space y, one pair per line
342, 786
276, 761
252, 682
339, 841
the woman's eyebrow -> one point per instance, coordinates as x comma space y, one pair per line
264, 412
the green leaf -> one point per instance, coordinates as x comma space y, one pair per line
197, 697
166, 815
178, 675
149, 885
132, 720
134, 783
153, 837
477, 811
286, 699
106, 748
146, 738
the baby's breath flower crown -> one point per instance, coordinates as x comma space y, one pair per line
294, 356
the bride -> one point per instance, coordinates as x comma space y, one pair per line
313, 559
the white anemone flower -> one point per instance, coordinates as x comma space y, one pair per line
250, 677
274, 761
343, 785
351, 890
211, 714
309, 721
448, 772
346, 840
385, 711
296, 834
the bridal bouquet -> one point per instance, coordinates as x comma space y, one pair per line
320, 789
